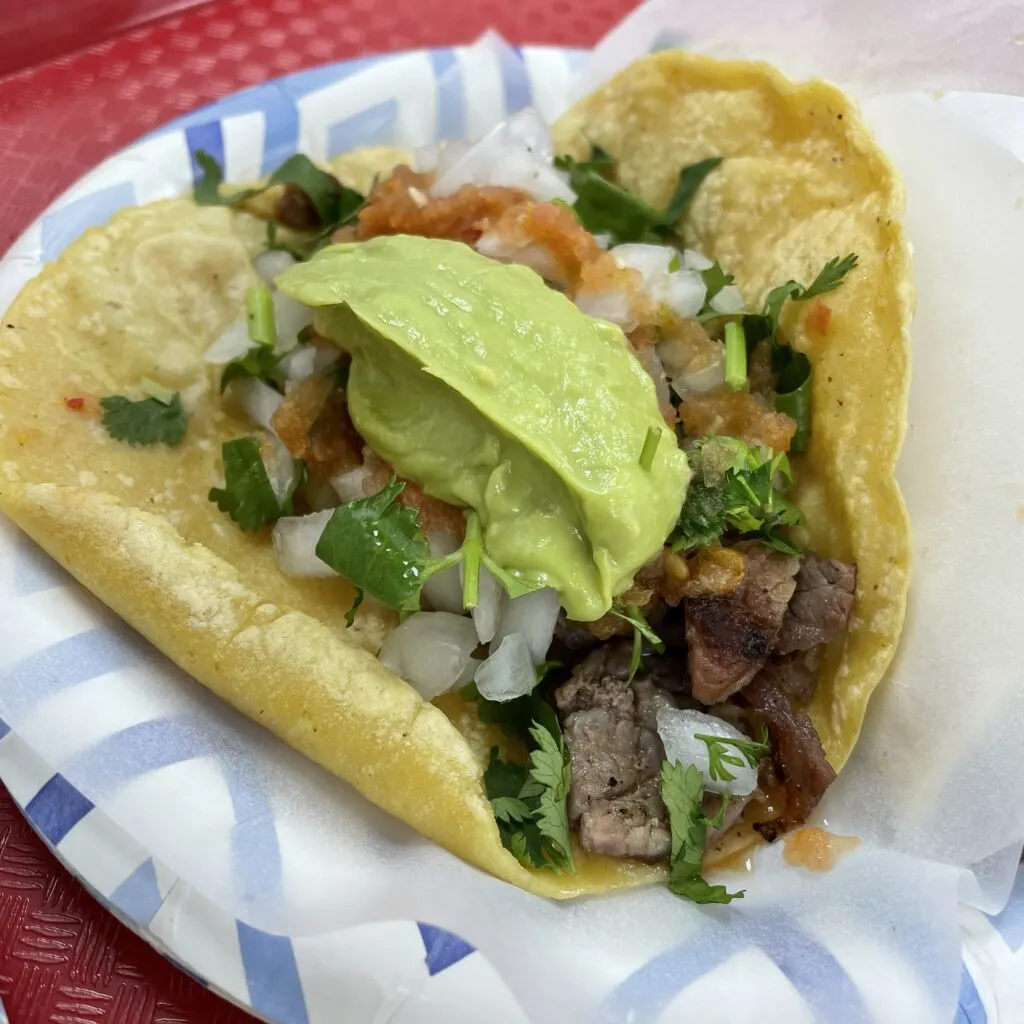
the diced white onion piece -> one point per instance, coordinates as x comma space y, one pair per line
271, 263
678, 728
694, 260
509, 672
604, 240
424, 158
349, 484
516, 154
258, 399
295, 540
444, 589
652, 261
290, 317
649, 360
324, 357
686, 293
234, 343
612, 306
298, 364
534, 615
490, 600
728, 300
537, 257
280, 470
449, 154
431, 651
709, 377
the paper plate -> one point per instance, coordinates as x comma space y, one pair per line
63, 650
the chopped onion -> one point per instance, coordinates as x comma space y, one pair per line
298, 364
281, 470
290, 317
509, 672
603, 239
324, 357
295, 540
694, 260
686, 293
677, 729
516, 154
234, 343
350, 484
535, 256
444, 590
490, 599
271, 263
259, 400
652, 261
612, 306
424, 158
319, 494
534, 615
698, 382
649, 360
728, 300
432, 651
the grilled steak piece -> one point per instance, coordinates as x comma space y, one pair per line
611, 731
800, 769
820, 606
794, 674
731, 635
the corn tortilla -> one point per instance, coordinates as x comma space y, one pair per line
802, 181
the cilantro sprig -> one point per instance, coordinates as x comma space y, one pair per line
736, 488
530, 804
641, 631
335, 204
604, 207
147, 421
749, 752
682, 790
248, 496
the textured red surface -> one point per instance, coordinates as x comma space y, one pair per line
63, 959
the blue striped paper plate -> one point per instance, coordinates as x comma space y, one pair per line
392, 970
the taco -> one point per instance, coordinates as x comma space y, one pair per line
541, 488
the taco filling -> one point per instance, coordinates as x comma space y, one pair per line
549, 435
531, 422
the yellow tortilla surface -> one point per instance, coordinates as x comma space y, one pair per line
147, 294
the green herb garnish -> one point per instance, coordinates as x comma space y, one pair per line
742, 495
259, 314
153, 389
641, 631
715, 279
377, 545
472, 550
148, 421
682, 789
350, 615
335, 204
750, 752
529, 804
247, 495
603, 207
260, 363
650, 448
735, 356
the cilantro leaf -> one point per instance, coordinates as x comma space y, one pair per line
682, 790
259, 362
793, 391
350, 615
377, 545
551, 771
641, 631
247, 495
829, 278
749, 751
515, 586
148, 421
690, 179
335, 204
734, 488
604, 207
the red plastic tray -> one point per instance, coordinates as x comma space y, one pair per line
63, 958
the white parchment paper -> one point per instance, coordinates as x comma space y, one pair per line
933, 790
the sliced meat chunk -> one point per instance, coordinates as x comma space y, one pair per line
821, 605
794, 674
731, 635
801, 771
616, 754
